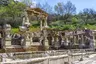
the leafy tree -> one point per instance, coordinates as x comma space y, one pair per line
62, 9
4, 2
27, 2
46, 7
12, 13
69, 8
88, 16
59, 8
65, 12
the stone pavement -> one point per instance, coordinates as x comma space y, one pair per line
90, 60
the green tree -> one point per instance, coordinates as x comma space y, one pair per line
69, 8
27, 2
4, 2
12, 13
59, 8
88, 16
46, 7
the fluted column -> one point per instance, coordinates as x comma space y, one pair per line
41, 25
94, 39
45, 22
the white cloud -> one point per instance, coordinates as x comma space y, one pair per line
33, 4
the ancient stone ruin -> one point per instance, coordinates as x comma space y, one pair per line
45, 38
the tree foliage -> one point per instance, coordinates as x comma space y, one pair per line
4, 2
68, 19
59, 8
69, 8
27, 2
62, 16
12, 13
46, 7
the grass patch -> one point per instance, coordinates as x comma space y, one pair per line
15, 30
34, 29
31, 29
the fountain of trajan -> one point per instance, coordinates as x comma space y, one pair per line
22, 44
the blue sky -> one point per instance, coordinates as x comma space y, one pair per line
80, 4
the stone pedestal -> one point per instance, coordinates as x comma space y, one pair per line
28, 43
46, 44
27, 40
7, 43
8, 40
7, 29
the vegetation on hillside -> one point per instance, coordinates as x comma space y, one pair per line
62, 16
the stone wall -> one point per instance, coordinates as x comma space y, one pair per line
46, 57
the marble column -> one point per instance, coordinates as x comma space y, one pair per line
67, 40
94, 39
23, 21
74, 40
41, 25
81, 41
45, 23
63, 40
78, 39
1, 42
82, 38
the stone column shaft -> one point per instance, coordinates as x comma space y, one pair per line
45, 24
41, 25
